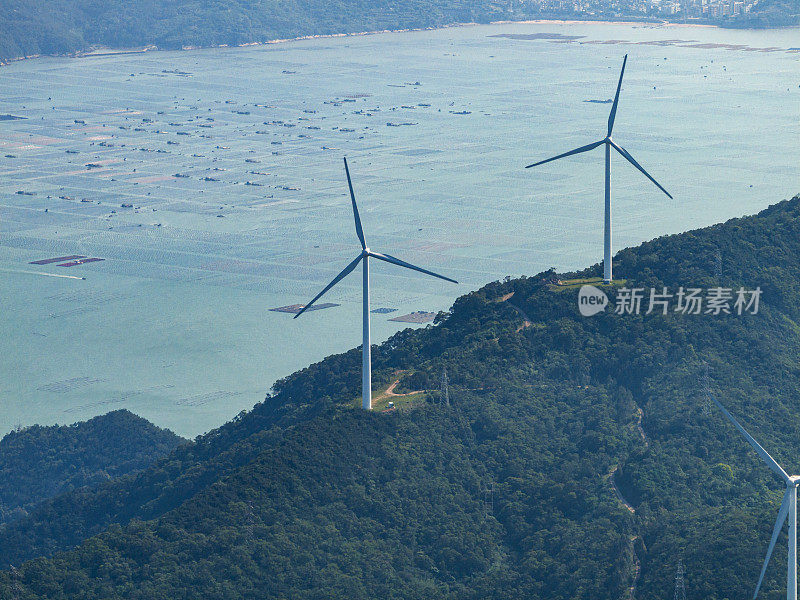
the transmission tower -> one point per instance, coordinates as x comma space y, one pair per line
488, 501
680, 589
445, 388
706, 383
17, 576
249, 521
718, 264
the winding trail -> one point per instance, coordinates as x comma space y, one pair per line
637, 567
390, 393
390, 390
639, 426
624, 502
526, 320
610, 476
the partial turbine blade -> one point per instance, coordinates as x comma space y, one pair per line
782, 514
345, 272
570, 153
756, 446
630, 159
613, 114
359, 231
401, 263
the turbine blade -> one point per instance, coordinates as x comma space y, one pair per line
570, 153
359, 231
401, 263
613, 114
345, 272
756, 446
630, 159
782, 514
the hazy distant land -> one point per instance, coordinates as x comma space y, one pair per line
30, 28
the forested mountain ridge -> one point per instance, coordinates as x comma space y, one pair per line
506, 493
32, 27
37, 463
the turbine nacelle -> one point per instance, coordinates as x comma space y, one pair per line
365, 252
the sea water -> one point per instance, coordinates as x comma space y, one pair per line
174, 324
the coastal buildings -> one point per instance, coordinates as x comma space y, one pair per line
689, 10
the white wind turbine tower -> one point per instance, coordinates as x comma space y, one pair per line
788, 509
609, 143
365, 255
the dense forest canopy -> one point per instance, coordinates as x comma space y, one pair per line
31, 27
37, 463
516, 489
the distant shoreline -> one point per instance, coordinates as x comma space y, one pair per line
584, 22
105, 51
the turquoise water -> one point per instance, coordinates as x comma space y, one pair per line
174, 323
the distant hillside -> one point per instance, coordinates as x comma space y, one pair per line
38, 463
518, 489
768, 13
33, 27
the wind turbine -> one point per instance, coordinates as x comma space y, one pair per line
609, 143
363, 257
788, 509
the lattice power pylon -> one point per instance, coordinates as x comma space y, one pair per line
718, 265
706, 383
680, 589
445, 388
488, 500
